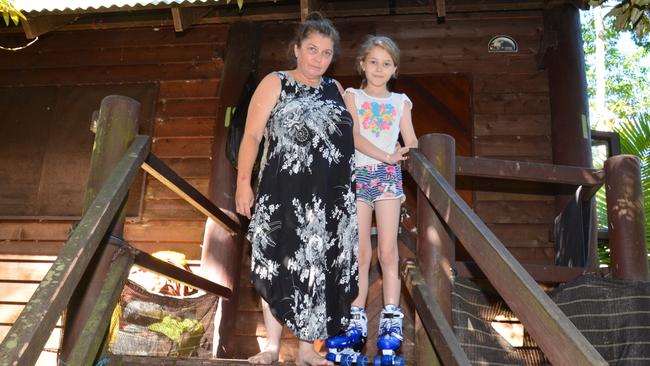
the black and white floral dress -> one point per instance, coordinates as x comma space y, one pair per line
304, 228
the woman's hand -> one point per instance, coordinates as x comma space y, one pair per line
244, 199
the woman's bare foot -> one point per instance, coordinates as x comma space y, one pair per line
308, 357
267, 356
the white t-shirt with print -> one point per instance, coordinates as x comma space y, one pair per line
378, 121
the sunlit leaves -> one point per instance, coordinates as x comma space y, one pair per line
633, 15
10, 13
240, 3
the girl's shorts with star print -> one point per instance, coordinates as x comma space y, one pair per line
379, 182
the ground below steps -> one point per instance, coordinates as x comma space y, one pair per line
122, 360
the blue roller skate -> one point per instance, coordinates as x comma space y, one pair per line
345, 348
390, 337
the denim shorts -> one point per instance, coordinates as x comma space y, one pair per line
379, 182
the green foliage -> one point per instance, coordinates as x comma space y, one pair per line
627, 87
10, 13
240, 3
633, 15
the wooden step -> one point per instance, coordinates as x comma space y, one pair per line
121, 360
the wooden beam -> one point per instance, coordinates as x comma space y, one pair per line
527, 171
555, 334
41, 24
221, 253
440, 333
87, 346
185, 17
540, 272
117, 126
178, 274
159, 170
25, 340
306, 7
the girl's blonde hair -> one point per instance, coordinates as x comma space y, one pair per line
386, 44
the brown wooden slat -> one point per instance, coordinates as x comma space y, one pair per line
189, 88
190, 232
183, 148
187, 107
512, 125
22, 271
189, 168
512, 103
17, 292
117, 38
513, 212
493, 168
28, 231
522, 235
143, 55
184, 127
30, 250
540, 272
105, 74
536, 82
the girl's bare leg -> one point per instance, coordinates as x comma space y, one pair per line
271, 352
364, 218
387, 213
307, 356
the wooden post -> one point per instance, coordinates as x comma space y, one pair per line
89, 344
117, 126
570, 132
222, 252
627, 242
435, 248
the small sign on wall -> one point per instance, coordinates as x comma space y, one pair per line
502, 44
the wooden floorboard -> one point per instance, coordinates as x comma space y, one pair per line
122, 360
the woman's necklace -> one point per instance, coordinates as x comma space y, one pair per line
303, 80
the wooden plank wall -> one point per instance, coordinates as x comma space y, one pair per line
188, 69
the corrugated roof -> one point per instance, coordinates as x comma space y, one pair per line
56, 6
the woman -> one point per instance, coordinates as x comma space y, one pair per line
304, 228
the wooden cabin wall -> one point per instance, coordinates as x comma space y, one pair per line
187, 68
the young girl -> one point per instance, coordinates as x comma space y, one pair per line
379, 117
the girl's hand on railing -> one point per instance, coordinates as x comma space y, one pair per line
244, 199
400, 154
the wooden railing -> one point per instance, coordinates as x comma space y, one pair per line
25, 340
555, 334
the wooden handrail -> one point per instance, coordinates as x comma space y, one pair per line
25, 340
159, 170
558, 338
528, 171
438, 330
